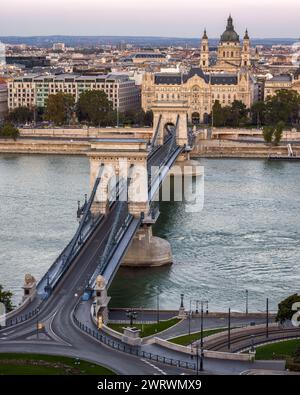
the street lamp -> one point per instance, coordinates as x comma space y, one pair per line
157, 304
229, 328
247, 301
37, 322
267, 318
181, 303
131, 315
201, 344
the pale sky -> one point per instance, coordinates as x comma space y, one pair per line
173, 18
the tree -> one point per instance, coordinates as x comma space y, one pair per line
273, 134
284, 106
296, 355
21, 115
268, 132
6, 299
278, 132
59, 108
9, 131
148, 118
238, 114
95, 108
285, 311
258, 113
217, 114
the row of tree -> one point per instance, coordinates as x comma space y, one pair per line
282, 107
93, 108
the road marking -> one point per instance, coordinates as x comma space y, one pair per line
154, 367
53, 333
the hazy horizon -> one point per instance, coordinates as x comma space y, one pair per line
167, 18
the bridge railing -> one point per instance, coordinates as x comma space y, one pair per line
136, 351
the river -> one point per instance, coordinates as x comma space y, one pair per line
245, 238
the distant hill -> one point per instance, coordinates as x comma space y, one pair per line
86, 41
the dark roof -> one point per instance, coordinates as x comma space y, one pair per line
153, 55
196, 71
282, 78
167, 79
223, 79
230, 34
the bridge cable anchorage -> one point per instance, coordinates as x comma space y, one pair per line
156, 132
121, 221
77, 239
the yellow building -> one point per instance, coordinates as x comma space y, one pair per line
283, 81
228, 80
231, 54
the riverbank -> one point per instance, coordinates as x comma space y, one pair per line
202, 149
240, 149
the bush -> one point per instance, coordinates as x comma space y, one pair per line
9, 131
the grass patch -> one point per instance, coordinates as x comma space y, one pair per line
282, 350
185, 340
148, 329
35, 364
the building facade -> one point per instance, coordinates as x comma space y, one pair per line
231, 53
198, 90
283, 81
33, 90
229, 79
3, 100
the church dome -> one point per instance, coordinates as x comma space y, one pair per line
230, 34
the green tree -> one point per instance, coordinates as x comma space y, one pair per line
21, 115
148, 118
268, 132
95, 108
297, 355
9, 131
284, 106
238, 114
258, 113
278, 132
285, 312
6, 299
59, 108
218, 114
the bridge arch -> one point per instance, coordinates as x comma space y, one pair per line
164, 114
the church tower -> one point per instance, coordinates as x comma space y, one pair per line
204, 52
246, 51
229, 49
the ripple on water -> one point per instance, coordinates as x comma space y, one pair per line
246, 237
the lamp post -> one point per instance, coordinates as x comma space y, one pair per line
157, 304
229, 328
181, 301
247, 301
132, 315
37, 322
201, 344
267, 318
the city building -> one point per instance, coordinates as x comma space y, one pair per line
231, 54
33, 90
228, 79
59, 47
198, 90
282, 81
3, 99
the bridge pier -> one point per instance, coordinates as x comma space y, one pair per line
147, 250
